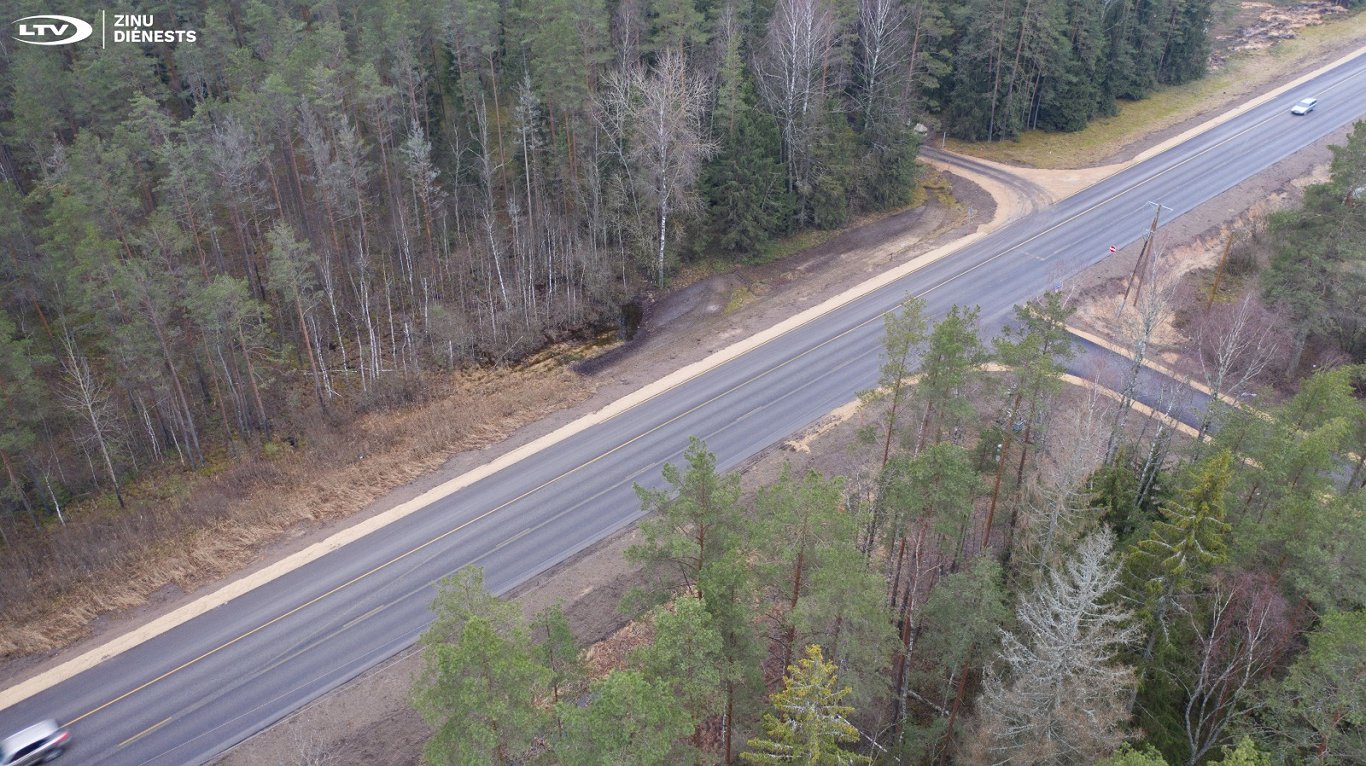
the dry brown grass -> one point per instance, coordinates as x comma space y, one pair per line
614, 652
183, 531
1193, 264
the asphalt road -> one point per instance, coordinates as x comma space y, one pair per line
190, 693
1157, 390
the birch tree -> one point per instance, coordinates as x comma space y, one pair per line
88, 399
792, 70
669, 145
881, 55
1243, 633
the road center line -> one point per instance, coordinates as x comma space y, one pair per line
145, 732
230, 591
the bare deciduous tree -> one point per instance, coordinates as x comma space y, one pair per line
792, 72
1058, 695
669, 145
1234, 342
87, 397
1246, 630
882, 52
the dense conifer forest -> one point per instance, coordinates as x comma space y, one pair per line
310, 204
313, 210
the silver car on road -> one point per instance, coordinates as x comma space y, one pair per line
39, 743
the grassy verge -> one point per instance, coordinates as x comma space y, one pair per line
1104, 137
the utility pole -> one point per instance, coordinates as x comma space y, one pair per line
1144, 256
1219, 272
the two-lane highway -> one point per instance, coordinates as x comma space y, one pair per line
198, 688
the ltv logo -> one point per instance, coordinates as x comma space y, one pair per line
51, 30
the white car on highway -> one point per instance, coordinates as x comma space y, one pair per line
39, 743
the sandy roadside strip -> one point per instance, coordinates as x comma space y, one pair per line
47, 678
69, 668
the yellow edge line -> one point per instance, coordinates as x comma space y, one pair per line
427, 544
29, 687
1109, 345
1170, 421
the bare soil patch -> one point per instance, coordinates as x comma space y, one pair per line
1190, 248
1258, 26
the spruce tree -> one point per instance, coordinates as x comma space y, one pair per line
22, 404
1063, 697
809, 724
1181, 547
744, 187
